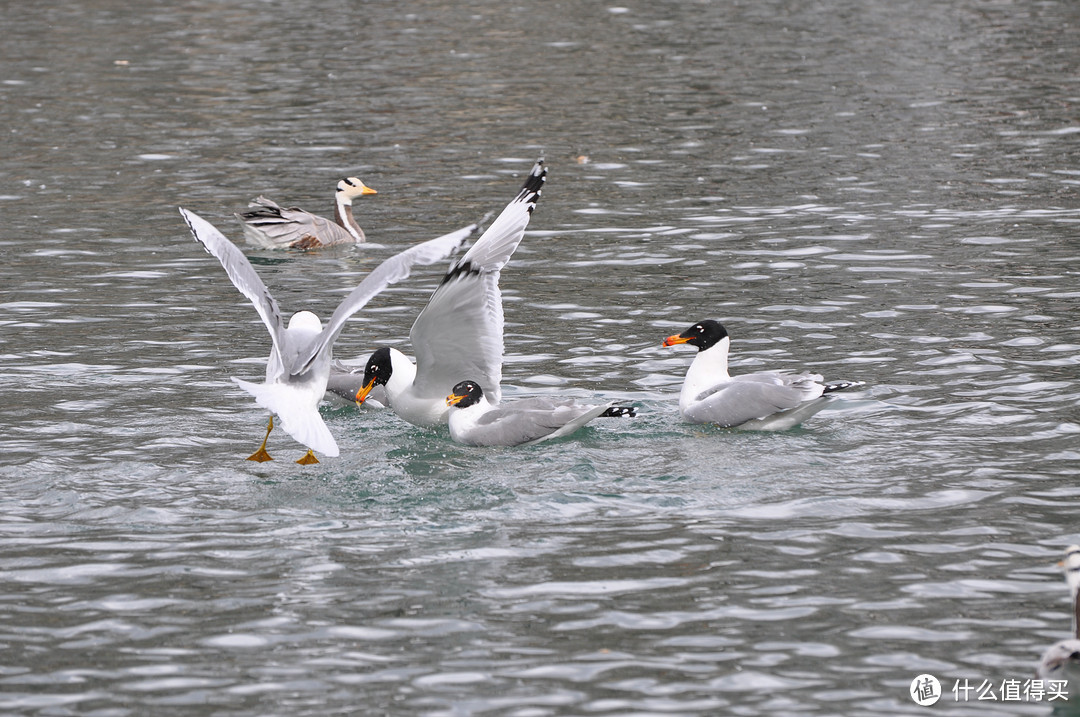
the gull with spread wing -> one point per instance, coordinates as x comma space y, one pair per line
459, 334
299, 364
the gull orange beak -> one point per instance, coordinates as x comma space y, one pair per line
367, 190
676, 339
454, 399
363, 392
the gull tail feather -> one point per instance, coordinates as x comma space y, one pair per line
784, 420
572, 426
303, 424
833, 386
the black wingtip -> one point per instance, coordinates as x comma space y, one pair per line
464, 268
842, 386
620, 412
534, 184
262, 213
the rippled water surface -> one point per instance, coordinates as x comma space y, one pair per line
877, 191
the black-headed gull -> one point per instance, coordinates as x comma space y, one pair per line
765, 401
459, 334
474, 421
271, 226
299, 364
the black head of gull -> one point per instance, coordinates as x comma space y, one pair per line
702, 335
465, 394
377, 372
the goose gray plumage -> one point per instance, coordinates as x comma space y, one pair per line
271, 226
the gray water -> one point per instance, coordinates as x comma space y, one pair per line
877, 191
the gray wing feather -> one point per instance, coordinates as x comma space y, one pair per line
532, 420
240, 272
532, 410
582, 415
460, 331
1061, 661
284, 226
495, 246
751, 396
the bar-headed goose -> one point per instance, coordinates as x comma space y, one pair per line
271, 226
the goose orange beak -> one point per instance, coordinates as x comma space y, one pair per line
367, 190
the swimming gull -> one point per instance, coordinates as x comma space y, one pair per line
474, 421
765, 401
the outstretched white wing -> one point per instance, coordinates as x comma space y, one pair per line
392, 270
240, 271
459, 334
